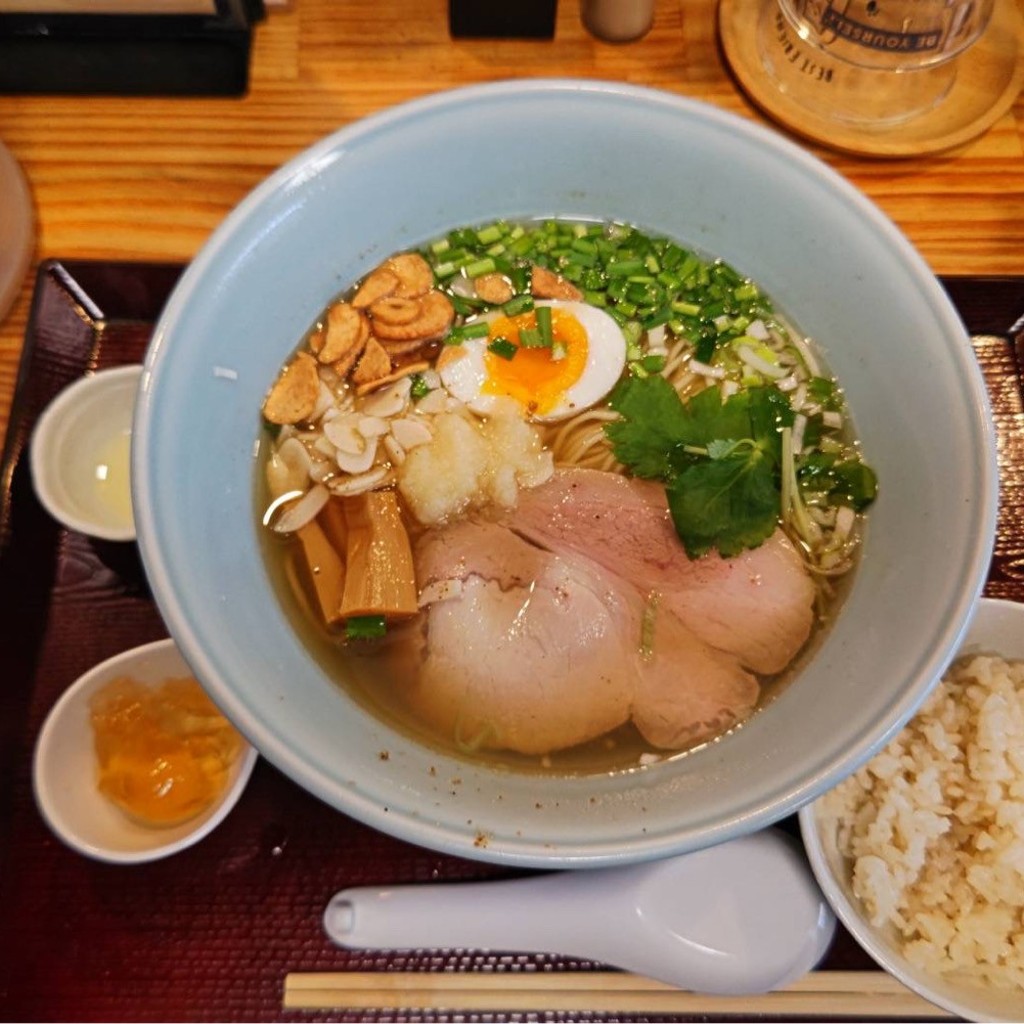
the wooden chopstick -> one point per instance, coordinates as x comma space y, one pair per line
818, 994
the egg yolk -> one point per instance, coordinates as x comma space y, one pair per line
533, 377
164, 752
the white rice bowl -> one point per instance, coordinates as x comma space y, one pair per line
921, 850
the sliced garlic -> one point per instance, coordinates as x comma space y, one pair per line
396, 453
342, 432
372, 426
324, 401
432, 403
410, 433
320, 471
324, 446
389, 401
306, 509
359, 462
288, 468
349, 485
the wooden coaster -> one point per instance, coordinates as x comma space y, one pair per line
988, 79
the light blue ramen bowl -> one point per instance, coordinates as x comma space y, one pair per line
589, 150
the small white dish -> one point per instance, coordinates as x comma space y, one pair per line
64, 770
80, 454
997, 629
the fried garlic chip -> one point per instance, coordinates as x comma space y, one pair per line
293, 397
373, 364
546, 284
346, 336
433, 319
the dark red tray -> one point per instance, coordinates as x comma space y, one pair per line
211, 933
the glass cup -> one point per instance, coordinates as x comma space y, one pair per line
867, 61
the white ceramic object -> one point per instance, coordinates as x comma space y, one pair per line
997, 628
687, 921
594, 150
80, 454
17, 229
64, 770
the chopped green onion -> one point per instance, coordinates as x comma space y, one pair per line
704, 349
517, 305
480, 267
544, 326
474, 329
365, 627
503, 348
657, 318
691, 264
580, 259
522, 245
530, 337
420, 388
466, 306
624, 268
632, 330
686, 308
485, 236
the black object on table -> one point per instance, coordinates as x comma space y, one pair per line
486, 19
156, 54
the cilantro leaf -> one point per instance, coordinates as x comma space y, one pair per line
729, 504
653, 425
719, 459
846, 482
709, 419
856, 484
770, 411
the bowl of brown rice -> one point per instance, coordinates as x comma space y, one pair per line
921, 850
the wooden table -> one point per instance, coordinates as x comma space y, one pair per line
150, 178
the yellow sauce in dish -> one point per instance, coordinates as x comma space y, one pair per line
164, 752
111, 478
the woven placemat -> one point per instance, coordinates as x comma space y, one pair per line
213, 933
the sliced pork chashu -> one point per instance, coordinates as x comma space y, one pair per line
758, 605
535, 651
528, 652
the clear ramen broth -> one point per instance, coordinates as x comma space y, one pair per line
559, 495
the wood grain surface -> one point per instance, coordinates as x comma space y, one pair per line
150, 178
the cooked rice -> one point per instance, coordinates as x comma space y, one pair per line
934, 827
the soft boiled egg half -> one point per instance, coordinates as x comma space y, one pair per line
586, 358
